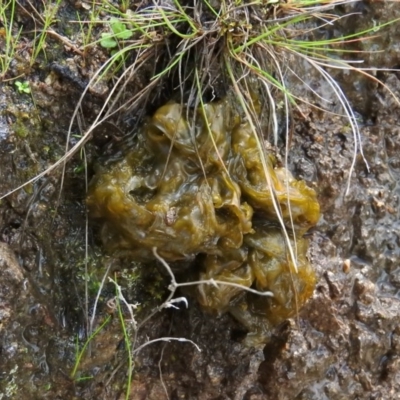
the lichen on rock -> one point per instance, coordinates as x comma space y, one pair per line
194, 185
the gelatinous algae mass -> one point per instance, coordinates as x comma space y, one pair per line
193, 185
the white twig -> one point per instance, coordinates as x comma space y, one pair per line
130, 307
161, 375
174, 285
215, 283
170, 304
166, 339
97, 299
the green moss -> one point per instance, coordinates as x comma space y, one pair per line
193, 185
21, 127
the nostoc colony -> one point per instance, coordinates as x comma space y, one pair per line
194, 185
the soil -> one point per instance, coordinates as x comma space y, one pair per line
344, 344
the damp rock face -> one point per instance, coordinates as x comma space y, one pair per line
195, 186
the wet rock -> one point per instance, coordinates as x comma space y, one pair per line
11, 284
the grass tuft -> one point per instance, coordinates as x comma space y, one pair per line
9, 37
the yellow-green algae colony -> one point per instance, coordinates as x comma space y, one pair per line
193, 186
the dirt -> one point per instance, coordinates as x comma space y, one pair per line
344, 344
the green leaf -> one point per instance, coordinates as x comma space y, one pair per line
107, 41
126, 34
23, 87
120, 30
117, 26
